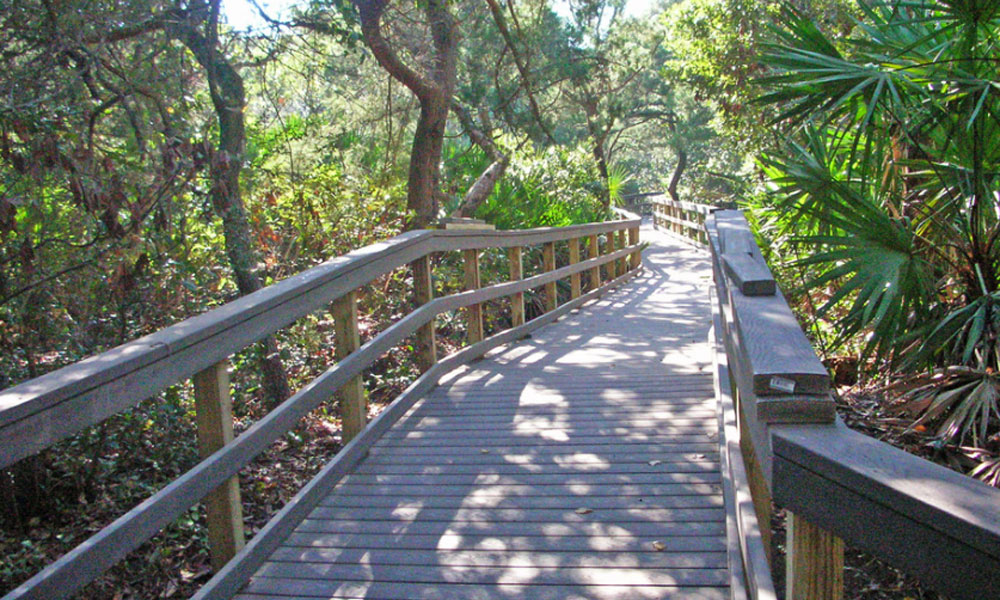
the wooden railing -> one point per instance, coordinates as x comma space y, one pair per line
836, 485
38, 413
685, 220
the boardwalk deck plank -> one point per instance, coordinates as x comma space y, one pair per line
581, 463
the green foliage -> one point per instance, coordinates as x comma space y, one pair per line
545, 188
892, 180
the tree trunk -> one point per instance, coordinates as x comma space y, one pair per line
682, 159
433, 90
602, 168
228, 98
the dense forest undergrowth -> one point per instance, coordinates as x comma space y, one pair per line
156, 163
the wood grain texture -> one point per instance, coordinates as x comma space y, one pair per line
473, 312
423, 292
539, 471
574, 279
351, 398
934, 523
514, 258
549, 265
223, 508
814, 561
40, 412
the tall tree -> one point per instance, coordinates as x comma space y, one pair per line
198, 29
433, 84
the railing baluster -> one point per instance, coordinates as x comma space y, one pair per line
516, 272
214, 415
574, 279
549, 264
814, 562
353, 408
622, 263
609, 247
595, 272
633, 239
423, 292
473, 313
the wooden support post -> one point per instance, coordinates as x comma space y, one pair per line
423, 292
814, 562
759, 492
353, 408
549, 264
595, 272
574, 279
516, 300
633, 239
473, 313
622, 262
214, 414
609, 247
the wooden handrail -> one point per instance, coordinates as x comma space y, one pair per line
107, 383
938, 525
685, 220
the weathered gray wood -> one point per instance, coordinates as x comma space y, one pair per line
751, 277
503, 528
554, 542
423, 292
45, 410
351, 396
226, 583
534, 515
224, 511
529, 478
40, 412
660, 489
778, 357
536, 574
493, 465
286, 588
748, 556
506, 558
342, 499
936, 524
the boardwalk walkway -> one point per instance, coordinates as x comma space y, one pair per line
579, 463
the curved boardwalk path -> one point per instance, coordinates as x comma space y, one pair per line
579, 463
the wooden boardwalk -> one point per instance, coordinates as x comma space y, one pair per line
579, 463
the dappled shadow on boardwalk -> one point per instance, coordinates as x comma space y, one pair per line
579, 463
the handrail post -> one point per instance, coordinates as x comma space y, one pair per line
814, 562
609, 247
473, 312
595, 272
214, 415
423, 292
622, 262
353, 409
549, 264
574, 279
633, 239
517, 299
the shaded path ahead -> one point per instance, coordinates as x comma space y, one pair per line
579, 463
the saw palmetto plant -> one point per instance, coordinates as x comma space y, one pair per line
891, 182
